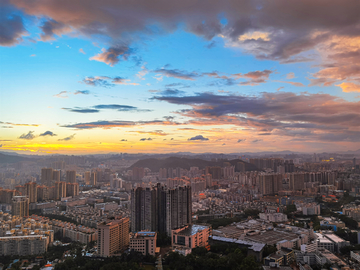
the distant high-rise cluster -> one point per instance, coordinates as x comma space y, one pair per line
160, 208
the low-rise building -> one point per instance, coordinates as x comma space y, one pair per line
273, 217
144, 242
355, 255
23, 245
190, 236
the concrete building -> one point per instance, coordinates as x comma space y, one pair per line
60, 190
46, 176
144, 242
70, 176
311, 209
331, 242
113, 237
23, 245
274, 217
190, 236
72, 189
20, 206
31, 191
355, 255
296, 181
160, 209
270, 184
56, 176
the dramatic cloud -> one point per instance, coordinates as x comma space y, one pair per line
198, 138
113, 55
48, 133
105, 81
27, 136
274, 111
67, 138
12, 27
51, 28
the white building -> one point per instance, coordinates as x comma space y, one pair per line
273, 217
355, 255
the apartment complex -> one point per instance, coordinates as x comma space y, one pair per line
113, 237
23, 245
160, 209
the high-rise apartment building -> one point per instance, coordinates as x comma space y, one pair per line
296, 181
20, 206
93, 179
87, 178
138, 173
56, 176
113, 237
46, 176
160, 209
270, 183
60, 190
72, 189
70, 176
31, 191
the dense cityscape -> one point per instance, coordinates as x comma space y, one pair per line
293, 211
179, 135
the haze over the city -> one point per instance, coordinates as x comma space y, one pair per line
88, 77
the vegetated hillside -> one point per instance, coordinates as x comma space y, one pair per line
11, 159
155, 164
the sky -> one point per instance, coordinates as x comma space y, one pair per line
160, 76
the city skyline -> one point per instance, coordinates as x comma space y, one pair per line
91, 77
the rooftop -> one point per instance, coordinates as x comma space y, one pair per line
192, 229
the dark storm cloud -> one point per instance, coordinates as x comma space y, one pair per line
198, 138
27, 136
48, 133
144, 139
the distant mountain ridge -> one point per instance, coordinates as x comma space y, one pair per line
11, 158
155, 164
